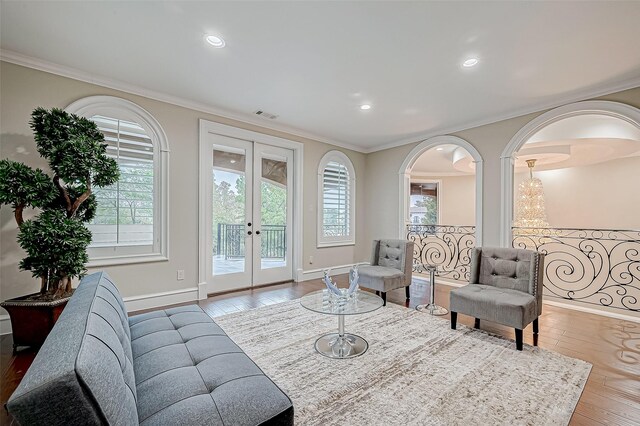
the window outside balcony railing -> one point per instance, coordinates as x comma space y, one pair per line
229, 241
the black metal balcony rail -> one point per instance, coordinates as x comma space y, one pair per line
229, 241
445, 247
595, 266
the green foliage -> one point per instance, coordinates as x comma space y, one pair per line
431, 215
56, 245
57, 239
22, 185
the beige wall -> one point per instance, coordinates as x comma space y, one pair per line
490, 140
22, 89
605, 195
456, 197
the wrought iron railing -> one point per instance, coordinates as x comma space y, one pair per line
595, 266
445, 247
230, 241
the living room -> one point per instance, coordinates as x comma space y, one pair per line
248, 157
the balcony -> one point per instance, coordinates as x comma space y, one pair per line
229, 248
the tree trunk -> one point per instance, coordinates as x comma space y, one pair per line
17, 212
43, 284
63, 288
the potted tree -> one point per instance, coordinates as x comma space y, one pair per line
56, 240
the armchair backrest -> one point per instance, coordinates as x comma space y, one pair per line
510, 268
397, 254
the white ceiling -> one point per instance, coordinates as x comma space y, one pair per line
314, 63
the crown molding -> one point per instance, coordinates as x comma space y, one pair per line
540, 107
61, 70
75, 74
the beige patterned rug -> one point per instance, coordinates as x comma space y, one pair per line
416, 371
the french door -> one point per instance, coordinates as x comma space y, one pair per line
250, 206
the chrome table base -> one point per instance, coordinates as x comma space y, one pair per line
341, 345
431, 307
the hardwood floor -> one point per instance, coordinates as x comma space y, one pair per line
611, 396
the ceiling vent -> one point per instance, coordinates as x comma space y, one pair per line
266, 114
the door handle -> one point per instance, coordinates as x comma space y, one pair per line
257, 232
249, 232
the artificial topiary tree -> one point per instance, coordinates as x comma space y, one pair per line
56, 240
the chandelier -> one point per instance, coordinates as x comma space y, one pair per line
530, 209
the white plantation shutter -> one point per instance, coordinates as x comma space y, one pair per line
336, 200
125, 214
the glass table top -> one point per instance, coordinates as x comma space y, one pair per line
320, 301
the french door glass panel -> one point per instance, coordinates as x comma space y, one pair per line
273, 213
251, 214
231, 211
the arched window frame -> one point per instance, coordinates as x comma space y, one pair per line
122, 109
322, 240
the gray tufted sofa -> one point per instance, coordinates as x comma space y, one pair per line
505, 286
166, 367
391, 267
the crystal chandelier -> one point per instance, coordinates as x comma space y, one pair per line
530, 210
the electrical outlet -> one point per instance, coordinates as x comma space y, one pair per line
180, 274
310, 260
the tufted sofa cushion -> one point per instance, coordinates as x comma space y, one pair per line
189, 371
391, 254
83, 373
173, 366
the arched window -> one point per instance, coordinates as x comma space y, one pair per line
336, 200
131, 219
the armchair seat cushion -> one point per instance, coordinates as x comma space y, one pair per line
502, 305
380, 278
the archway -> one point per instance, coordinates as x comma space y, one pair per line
580, 206
445, 238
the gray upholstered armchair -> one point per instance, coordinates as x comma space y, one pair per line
391, 266
505, 287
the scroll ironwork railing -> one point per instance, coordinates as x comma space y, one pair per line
595, 266
445, 247
230, 241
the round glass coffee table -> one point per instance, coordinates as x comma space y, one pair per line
341, 345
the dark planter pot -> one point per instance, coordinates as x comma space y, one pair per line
32, 320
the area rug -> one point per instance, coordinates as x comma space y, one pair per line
417, 370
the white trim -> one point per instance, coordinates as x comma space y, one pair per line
69, 72
126, 260
578, 96
322, 241
110, 83
404, 175
5, 324
206, 127
612, 109
157, 300
314, 274
202, 291
111, 106
592, 310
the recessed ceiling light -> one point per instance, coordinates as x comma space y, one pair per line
365, 107
470, 62
439, 149
215, 41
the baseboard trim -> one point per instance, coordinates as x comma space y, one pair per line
314, 274
616, 315
157, 300
202, 291
5, 324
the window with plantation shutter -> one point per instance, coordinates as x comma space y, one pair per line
125, 210
336, 178
130, 222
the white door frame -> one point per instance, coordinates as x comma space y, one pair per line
612, 109
405, 179
211, 127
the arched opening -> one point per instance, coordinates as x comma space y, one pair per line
441, 205
570, 190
